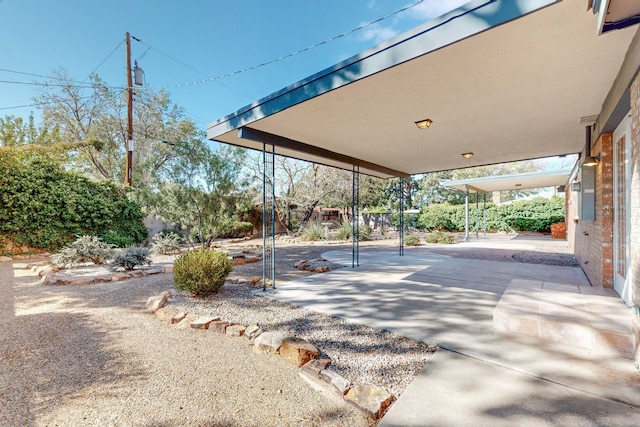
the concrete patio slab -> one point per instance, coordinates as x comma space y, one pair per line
451, 301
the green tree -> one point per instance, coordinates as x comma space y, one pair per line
203, 190
94, 115
16, 132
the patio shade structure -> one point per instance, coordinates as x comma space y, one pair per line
506, 80
489, 184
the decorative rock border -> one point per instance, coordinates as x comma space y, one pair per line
370, 400
318, 265
47, 272
23, 257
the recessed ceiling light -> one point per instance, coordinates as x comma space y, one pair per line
467, 155
423, 124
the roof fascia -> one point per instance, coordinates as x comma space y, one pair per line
473, 18
322, 153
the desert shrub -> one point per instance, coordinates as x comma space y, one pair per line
165, 244
169, 231
439, 237
130, 258
201, 272
411, 240
364, 232
84, 249
312, 231
344, 231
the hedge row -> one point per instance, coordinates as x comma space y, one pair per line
528, 215
43, 206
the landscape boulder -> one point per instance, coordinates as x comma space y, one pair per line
252, 332
298, 351
219, 326
166, 313
203, 322
269, 342
371, 400
236, 330
155, 302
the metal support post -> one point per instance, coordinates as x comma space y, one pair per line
484, 213
477, 216
401, 221
268, 217
466, 216
355, 217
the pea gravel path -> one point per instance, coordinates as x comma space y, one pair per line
90, 356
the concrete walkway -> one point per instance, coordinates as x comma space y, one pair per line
480, 375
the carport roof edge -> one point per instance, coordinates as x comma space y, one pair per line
474, 17
521, 181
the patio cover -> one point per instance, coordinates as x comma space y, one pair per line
488, 184
505, 79
520, 181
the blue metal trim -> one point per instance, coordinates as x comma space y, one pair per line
473, 18
623, 23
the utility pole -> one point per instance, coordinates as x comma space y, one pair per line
128, 144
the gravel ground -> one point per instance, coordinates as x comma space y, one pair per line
90, 356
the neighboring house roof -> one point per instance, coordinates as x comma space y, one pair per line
505, 79
520, 181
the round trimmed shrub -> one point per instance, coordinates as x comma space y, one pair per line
411, 240
201, 272
130, 258
439, 237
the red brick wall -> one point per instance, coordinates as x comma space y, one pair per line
594, 239
635, 208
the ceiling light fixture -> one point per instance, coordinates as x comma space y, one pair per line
467, 155
423, 124
591, 161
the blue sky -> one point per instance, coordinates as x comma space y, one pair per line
189, 40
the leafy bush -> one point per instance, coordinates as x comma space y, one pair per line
130, 258
44, 206
118, 239
441, 217
313, 231
526, 215
165, 244
411, 240
201, 272
439, 237
84, 249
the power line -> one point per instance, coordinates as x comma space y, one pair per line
297, 52
188, 67
104, 60
37, 75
